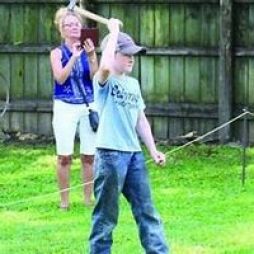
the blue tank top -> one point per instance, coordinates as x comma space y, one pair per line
78, 87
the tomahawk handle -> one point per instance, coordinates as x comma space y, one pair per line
90, 15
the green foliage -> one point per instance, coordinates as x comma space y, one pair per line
198, 194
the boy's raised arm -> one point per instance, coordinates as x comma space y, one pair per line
108, 50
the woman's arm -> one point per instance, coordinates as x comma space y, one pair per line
92, 57
61, 73
93, 64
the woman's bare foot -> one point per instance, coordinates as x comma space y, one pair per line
64, 207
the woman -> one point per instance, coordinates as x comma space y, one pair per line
73, 67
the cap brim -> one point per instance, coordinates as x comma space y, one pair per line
133, 50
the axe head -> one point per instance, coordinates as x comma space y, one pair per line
71, 5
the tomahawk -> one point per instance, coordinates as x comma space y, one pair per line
87, 14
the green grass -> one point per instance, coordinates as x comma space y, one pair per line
198, 195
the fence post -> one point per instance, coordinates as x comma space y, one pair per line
225, 69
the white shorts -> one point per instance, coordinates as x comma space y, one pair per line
66, 120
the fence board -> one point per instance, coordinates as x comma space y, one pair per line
192, 25
17, 76
116, 11
45, 124
175, 128
16, 23
46, 28
16, 89
241, 25
241, 80
176, 25
207, 125
251, 132
30, 76
251, 82
16, 122
161, 32
251, 25
148, 28
136, 70
31, 24
160, 128
4, 84
4, 26
237, 129
209, 25
147, 78
5, 72
5, 124
30, 123
161, 68
131, 24
192, 79
176, 78
161, 64
208, 80
191, 125
45, 82
176, 92
30, 91
147, 63
131, 27
161, 77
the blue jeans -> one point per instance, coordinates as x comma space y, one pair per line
119, 172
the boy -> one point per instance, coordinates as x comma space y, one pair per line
119, 162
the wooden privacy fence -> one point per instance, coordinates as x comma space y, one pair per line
198, 71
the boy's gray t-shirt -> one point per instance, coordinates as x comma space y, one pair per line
119, 103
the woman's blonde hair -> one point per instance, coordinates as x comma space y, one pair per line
61, 14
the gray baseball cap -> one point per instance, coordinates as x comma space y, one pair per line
125, 44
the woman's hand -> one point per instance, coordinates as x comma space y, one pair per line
92, 58
76, 49
89, 47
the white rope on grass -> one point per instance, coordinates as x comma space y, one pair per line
43, 195
147, 162
205, 135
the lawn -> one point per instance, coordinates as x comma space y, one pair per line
198, 194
